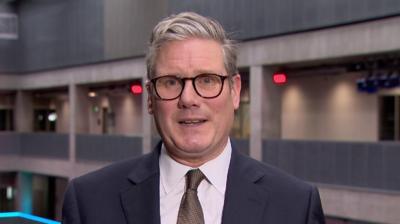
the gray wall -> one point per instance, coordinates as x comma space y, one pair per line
8, 53
56, 33
261, 18
355, 164
59, 33
128, 24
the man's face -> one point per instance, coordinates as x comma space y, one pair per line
194, 129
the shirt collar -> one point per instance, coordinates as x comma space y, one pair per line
216, 170
172, 172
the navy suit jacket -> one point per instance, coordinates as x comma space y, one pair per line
128, 192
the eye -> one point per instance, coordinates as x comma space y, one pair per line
168, 82
208, 79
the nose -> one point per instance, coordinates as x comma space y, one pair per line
189, 98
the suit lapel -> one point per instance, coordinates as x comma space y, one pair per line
245, 200
141, 200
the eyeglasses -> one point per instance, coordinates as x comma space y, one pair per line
206, 85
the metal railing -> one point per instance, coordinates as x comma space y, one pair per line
373, 165
107, 147
47, 145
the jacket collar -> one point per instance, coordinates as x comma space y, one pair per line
141, 201
245, 198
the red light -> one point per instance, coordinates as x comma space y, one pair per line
279, 78
136, 89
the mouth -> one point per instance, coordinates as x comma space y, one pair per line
192, 121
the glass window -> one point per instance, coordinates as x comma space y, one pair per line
389, 118
45, 120
6, 120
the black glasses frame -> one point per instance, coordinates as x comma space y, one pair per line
183, 82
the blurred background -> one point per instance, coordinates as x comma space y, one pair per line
320, 98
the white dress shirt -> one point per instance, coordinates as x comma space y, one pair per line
211, 194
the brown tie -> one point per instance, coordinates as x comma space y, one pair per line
190, 211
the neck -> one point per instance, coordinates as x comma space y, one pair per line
195, 160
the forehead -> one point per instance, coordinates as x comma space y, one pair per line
190, 56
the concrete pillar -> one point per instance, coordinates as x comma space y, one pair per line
79, 116
25, 192
256, 86
23, 111
82, 108
265, 108
146, 125
72, 123
62, 109
271, 107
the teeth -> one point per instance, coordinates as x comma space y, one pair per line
191, 122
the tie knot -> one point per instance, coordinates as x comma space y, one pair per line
193, 179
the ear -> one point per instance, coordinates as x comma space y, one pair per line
235, 90
149, 98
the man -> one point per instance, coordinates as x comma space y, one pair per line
194, 175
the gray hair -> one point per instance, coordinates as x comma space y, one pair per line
187, 25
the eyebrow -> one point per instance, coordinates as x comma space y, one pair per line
195, 73
202, 71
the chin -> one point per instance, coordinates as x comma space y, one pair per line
193, 148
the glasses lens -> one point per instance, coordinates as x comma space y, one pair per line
168, 87
208, 85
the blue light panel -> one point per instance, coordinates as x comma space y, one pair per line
27, 216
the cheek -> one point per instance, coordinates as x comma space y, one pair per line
162, 112
222, 109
